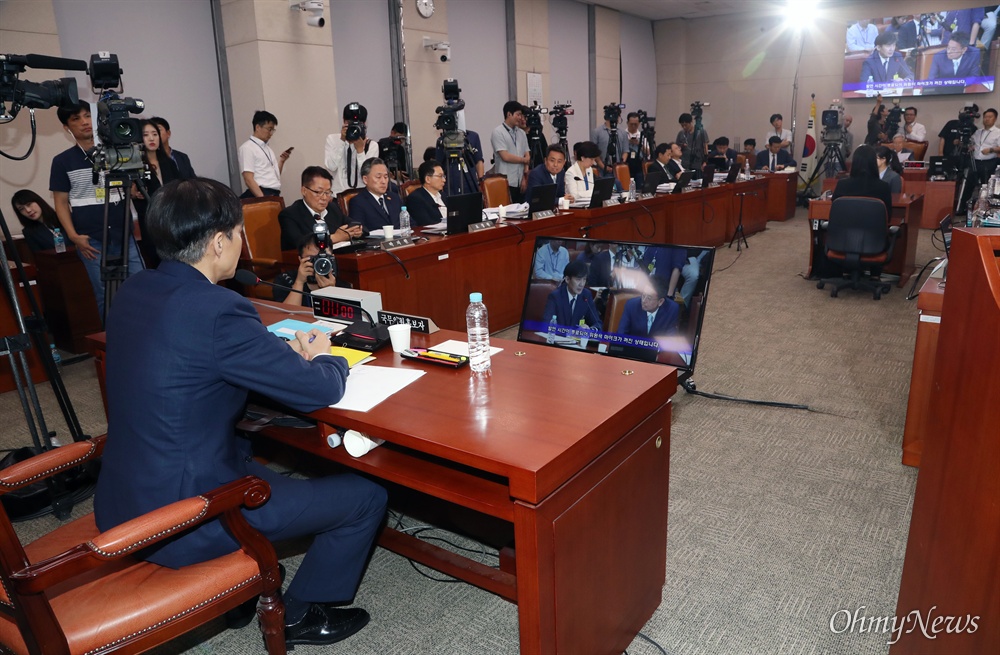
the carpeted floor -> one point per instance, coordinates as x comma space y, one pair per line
778, 518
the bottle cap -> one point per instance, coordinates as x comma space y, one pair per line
403, 209
475, 296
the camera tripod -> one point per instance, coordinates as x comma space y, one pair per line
831, 154
458, 163
114, 269
537, 145
739, 236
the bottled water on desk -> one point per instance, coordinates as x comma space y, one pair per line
550, 334
478, 329
631, 189
404, 223
59, 240
746, 168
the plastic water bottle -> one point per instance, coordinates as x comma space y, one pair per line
404, 222
56, 357
550, 333
746, 167
478, 328
631, 189
59, 240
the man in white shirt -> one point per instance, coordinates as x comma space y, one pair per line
261, 168
911, 129
510, 144
783, 134
550, 261
345, 153
986, 145
861, 36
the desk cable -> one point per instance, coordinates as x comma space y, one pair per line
690, 387
398, 261
418, 531
516, 227
650, 641
651, 220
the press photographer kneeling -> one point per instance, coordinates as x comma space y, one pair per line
317, 270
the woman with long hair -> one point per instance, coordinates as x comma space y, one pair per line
38, 219
864, 180
162, 169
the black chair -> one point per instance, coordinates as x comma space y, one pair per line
859, 239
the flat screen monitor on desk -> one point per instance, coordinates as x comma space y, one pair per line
623, 283
543, 198
463, 211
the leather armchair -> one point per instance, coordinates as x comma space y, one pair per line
496, 191
261, 251
858, 237
76, 590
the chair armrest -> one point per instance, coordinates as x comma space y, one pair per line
146, 530
49, 463
262, 261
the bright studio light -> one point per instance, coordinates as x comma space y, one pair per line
800, 14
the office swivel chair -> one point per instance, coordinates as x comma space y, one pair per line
76, 591
495, 190
858, 238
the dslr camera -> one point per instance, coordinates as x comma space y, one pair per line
355, 125
613, 112
322, 262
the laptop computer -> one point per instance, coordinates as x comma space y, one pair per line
734, 172
543, 197
683, 181
463, 210
717, 161
654, 178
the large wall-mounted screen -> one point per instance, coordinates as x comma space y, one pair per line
941, 52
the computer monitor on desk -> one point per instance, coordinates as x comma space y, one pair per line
543, 198
463, 211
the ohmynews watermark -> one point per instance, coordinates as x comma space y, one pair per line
930, 625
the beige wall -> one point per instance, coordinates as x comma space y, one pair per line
280, 64
29, 26
424, 72
752, 76
531, 37
607, 46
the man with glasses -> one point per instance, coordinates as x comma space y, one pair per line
652, 314
298, 219
261, 168
957, 61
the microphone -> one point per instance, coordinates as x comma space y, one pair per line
45, 61
243, 276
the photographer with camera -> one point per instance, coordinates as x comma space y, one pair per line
693, 142
306, 279
956, 131
510, 143
261, 168
876, 123
79, 201
983, 145
299, 219
911, 130
392, 150
606, 133
346, 153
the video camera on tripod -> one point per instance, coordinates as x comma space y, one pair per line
121, 136
447, 120
832, 120
613, 113
698, 108
558, 113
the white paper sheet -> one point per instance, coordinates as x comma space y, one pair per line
367, 386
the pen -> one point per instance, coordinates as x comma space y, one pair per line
441, 356
312, 338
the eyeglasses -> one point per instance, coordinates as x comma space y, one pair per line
322, 194
649, 296
441, 175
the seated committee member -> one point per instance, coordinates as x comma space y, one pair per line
550, 171
580, 176
957, 60
426, 206
899, 147
37, 218
261, 168
571, 302
304, 281
550, 261
884, 158
171, 426
659, 165
885, 64
298, 219
376, 205
750, 150
864, 179
774, 158
720, 148
652, 314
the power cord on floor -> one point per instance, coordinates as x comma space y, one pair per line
650, 641
691, 388
418, 530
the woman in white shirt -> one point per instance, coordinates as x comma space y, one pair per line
580, 176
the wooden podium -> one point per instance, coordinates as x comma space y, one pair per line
954, 545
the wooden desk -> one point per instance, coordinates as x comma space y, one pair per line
906, 211
938, 196
584, 484
70, 306
782, 190
918, 407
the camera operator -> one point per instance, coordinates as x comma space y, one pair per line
392, 150
305, 278
694, 144
344, 154
911, 129
638, 151
601, 135
79, 201
950, 136
510, 143
298, 219
876, 123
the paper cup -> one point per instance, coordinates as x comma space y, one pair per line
387, 231
563, 203
399, 335
357, 443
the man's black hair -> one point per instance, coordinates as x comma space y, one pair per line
511, 107
750, 142
184, 215
430, 153
631, 115
576, 268
65, 113
426, 169
310, 173
991, 110
721, 141
914, 109
554, 147
662, 148
160, 122
685, 118
775, 117
399, 128
262, 117
660, 285
366, 167
774, 139
961, 38
885, 38
308, 239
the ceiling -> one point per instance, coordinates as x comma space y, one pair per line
665, 9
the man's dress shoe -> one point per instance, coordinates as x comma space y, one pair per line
323, 624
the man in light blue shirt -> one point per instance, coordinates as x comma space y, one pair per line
550, 261
510, 144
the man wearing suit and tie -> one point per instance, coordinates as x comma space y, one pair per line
885, 64
652, 314
958, 60
774, 158
375, 206
571, 302
550, 171
184, 353
298, 219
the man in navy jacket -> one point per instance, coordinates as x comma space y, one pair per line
652, 314
376, 205
551, 171
571, 301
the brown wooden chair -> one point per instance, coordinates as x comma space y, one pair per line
645, 166
407, 187
261, 252
496, 191
76, 591
344, 199
853, 63
919, 149
538, 295
616, 305
623, 174
741, 159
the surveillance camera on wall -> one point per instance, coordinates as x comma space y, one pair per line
314, 9
443, 48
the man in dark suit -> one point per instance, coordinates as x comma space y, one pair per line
720, 148
184, 353
602, 266
298, 219
550, 171
571, 302
375, 206
652, 314
774, 158
958, 60
885, 64
182, 161
661, 157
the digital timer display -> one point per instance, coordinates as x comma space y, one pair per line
336, 309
